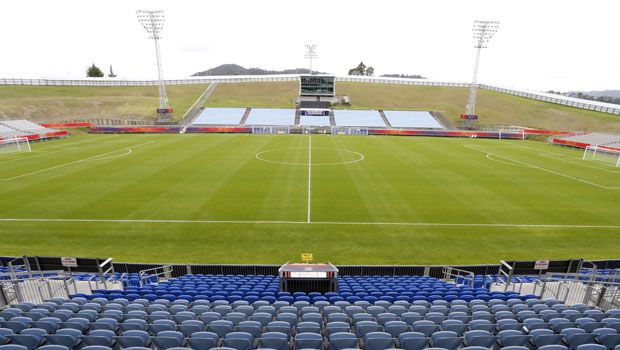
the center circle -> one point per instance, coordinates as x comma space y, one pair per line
318, 156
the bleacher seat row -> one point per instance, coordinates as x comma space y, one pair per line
21, 128
252, 288
100, 323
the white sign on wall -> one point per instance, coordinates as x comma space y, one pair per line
541, 265
68, 262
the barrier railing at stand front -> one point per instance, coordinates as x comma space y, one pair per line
49, 284
602, 291
461, 277
106, 272
155, 274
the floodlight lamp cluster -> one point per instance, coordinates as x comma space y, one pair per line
152, 21
311, 51
483, 32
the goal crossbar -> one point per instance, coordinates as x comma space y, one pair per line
512, 134
603, 154
15, 144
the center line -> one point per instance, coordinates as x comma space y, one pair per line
309, 172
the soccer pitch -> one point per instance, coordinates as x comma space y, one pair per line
267, 198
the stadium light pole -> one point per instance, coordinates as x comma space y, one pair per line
153, 23
483, 32
311, 54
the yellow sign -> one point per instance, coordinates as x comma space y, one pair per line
306, 257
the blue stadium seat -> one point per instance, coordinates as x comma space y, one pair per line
274, 340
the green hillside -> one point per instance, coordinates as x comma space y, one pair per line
65, 103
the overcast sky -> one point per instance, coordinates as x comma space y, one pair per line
541, 44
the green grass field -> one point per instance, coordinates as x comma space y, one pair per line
247, 199
494, 108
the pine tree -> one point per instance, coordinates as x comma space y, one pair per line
94, 72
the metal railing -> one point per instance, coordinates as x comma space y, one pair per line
192, 112
535, 95
146, 276
106, 273
36, 289
507, 271
19, 265
602, 291
461, 277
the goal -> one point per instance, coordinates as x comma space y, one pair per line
602, 154
512, 134
341, 130
271, 130
15, 144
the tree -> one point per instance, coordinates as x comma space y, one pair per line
111, 74
361, 69
94, 72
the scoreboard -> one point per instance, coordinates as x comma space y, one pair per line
317, 85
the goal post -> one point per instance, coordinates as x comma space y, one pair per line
512, 134
15, 144
602, 154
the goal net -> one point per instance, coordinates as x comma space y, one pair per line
602, 154
512, 134
340, 130
271, 130
16, 144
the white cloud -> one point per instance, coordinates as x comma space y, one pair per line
551, 44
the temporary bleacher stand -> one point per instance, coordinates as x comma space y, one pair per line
308, 278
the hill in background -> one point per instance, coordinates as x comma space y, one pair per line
610, 93
235, 69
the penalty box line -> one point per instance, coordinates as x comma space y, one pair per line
284, 222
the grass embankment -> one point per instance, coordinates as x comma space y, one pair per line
67, 103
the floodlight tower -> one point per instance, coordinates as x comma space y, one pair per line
483, 32
153, 23
310, 54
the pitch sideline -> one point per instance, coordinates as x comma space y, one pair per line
284, 222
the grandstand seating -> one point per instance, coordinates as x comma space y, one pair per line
412, 119
286, 117
96, 322
595, 139
271, 116
219, 116
368, 118
252, 288
310, 120
26, 127
6, 132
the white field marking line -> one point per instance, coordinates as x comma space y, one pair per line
127, 152
309, 172
359, 159
79, 142
74, 162
490, 156
39, 154
548, 171
576, 160
284, 222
